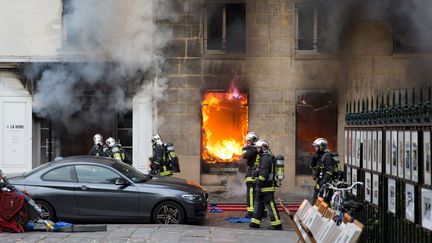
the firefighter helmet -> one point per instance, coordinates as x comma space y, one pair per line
262, 143
98, 139
252, 137
320, 142
110, 142
156, 139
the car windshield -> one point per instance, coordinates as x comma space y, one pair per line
131, 173
36, 169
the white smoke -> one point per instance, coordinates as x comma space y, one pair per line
235, 186
117, 50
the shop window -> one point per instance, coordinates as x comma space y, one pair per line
225, 28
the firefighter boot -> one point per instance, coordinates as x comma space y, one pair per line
253, 225
276, 227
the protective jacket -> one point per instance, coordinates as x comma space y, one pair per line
266, 172
118, 153
160, 162
249, 155
323, 167
98, 150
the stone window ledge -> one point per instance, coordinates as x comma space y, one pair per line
313, 56
411, 55
224, 56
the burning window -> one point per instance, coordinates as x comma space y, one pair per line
224, 125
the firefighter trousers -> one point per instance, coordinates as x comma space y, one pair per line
265, 200
250, 195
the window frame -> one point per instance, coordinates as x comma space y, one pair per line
67, 42
207, 51
71, 171
120, 129
315, 28
223, 50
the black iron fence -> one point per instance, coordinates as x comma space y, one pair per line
388, 147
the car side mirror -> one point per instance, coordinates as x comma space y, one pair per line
121, 182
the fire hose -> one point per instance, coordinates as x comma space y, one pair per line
242, 207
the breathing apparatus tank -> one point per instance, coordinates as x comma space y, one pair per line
170, 149
175, 166
280, 164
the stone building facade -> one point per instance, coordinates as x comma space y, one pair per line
272, 69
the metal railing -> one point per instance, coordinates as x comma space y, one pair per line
387, 146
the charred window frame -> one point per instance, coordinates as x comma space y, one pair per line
306, 27
225, 28
70, 33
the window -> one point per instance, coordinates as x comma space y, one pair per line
95, 174
306, 27
316, 116
65, 173
315, 30
71, 30
124, 133
406, 38
225, 28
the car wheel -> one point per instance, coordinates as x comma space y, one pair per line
168, 213
47, 210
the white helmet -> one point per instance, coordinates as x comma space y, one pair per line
156, 139
252, 137
262, 143
97, 139
320, 142
110, 142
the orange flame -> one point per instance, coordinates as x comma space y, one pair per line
225, 123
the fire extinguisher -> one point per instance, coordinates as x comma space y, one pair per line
280, 164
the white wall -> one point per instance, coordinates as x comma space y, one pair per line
15, 125
30, 28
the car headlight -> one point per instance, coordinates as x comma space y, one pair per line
192, 197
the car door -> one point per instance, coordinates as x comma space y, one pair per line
97, 194
57, 186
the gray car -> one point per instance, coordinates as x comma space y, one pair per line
103, 190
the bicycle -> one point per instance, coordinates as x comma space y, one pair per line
339, 200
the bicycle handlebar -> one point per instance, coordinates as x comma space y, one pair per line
330, 186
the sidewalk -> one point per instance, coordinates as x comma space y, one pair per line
215, 229
158, 234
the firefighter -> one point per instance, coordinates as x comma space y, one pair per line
265, 187
160, 163
322, 165
116, 151
249, 157
98, 149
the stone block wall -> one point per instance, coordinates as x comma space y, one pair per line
270, 71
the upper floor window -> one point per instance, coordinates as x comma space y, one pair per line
225, 28
307, 29
315, 31
70, 27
